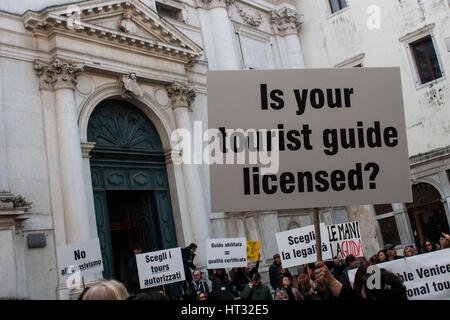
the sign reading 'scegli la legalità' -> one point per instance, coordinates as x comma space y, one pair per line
305, 138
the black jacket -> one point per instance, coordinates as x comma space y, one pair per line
188, 255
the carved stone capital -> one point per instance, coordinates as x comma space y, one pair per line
211, 4
59, 74
181, 95
286, 21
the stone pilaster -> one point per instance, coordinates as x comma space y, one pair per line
286, 24
60, 76
181, 97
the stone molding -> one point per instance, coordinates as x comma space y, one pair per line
181, 95
286, 21
211, 4
130, 87
174, 44
86, 148
58, 74
252, 18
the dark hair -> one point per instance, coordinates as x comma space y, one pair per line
80, 297
193, 245
392, 287
433, 245
187, 297
385, 254
373, 259
152, 295
358, 282
349, 259
330, 264
213, 296
198, 295
137, 246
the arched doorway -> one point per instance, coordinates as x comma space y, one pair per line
130, 185
426, 214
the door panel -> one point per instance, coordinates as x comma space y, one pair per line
104, 235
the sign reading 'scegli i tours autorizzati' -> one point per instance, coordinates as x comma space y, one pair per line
305, 138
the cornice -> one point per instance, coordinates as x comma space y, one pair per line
177, 45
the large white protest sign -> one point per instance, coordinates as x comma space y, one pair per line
85, 257
158, 268
298, 246
345, 239
425, 276
226, 253
306, 138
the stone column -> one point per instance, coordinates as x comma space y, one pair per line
4, 183
11, 272
182, 97
286, 23
61, 76
370, 236
226, 56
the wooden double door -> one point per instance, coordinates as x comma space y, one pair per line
130, 184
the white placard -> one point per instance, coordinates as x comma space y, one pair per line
335, 137
425, 276
298, 246
345, 239
226, 253
158, 268
85, 257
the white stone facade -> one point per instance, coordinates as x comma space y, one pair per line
55, 69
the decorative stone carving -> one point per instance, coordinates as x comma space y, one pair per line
126, 24
130, 87
252, 18
59, 74
181, 95
210, 4
286, 21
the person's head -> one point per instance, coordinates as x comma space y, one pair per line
373, 259
256, 279
429, 246
390, 251
409, 251
220, 271
193, 247
246, 269
137, 249
276, 258
381, 256
358, 282
106, 290
151, 295
186, 297
196, 275
202, 296
285, 282
391, 287
128, 14
350, 261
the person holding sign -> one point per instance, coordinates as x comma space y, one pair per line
392, 287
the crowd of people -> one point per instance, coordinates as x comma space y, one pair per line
327, 280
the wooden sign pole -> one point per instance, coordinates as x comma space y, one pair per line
84, 285
317, 232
